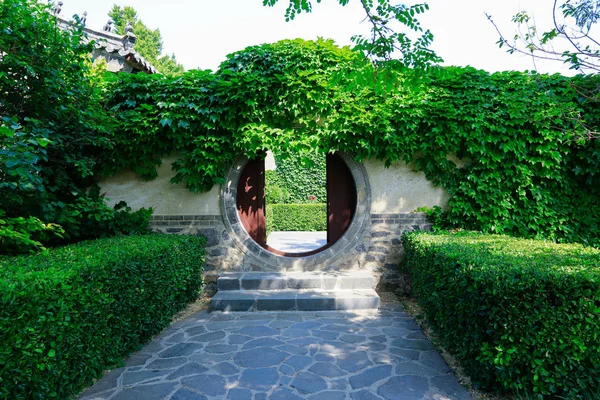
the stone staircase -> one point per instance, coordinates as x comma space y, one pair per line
301, 291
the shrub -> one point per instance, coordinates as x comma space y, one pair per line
54, 130
274, 191
521, 315
72, 312
296, 217
303, 177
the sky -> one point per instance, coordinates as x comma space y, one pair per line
202, 32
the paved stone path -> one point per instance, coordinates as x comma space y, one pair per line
297, 242
286, 355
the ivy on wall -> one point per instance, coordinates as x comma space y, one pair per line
528, 173
304, 181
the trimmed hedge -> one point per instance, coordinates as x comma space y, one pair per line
71, 313
521, 315
296, 217
302, 181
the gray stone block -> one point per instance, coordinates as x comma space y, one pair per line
210, 385
239, 394
261, 379
220, 348
306, 382
208, 337
299, 362
326, 369
304, 283
329, 395
263, 283
226, 369
259, 358
262, 342
413, 344
257, 331
363, 395
180, 350
353, 362
185, 394
228, 283
191, 368
146, 392
284, 394
275, 304
357, 303
408, 387
363, 281
448, 384
370, 376
315, 303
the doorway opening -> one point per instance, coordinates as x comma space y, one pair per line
300, 209
296, 202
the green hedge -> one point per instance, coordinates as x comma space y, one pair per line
71, 313
521, 315
302, 181
296, 217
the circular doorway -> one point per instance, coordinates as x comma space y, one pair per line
242, 202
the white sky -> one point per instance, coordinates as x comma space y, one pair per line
202, 32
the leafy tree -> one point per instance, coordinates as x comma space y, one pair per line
149, 42
52, 131
385, 43
571, 40
573, 21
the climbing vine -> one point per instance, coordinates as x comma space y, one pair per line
522, 169
304, 182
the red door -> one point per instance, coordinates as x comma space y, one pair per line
251, 200
341, 202
341, 197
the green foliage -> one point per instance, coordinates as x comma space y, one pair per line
304, 179
296, 217
52, 132
75, 311
20, 235
149, 42
520, 315
156, 115
572, 41
208, 119
523, 170
274, 193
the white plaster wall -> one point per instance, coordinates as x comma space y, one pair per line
164, 197
399, 189
270, 161
396, 189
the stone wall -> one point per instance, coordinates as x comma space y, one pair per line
393, 194
379, 250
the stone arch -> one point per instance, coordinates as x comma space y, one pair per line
267, 260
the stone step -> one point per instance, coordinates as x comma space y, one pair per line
295, 300
343, 280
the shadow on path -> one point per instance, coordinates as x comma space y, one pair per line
286, 355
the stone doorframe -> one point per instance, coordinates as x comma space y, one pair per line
323, 260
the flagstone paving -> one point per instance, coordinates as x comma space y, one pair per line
286, 355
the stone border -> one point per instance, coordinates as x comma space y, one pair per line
261, 257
